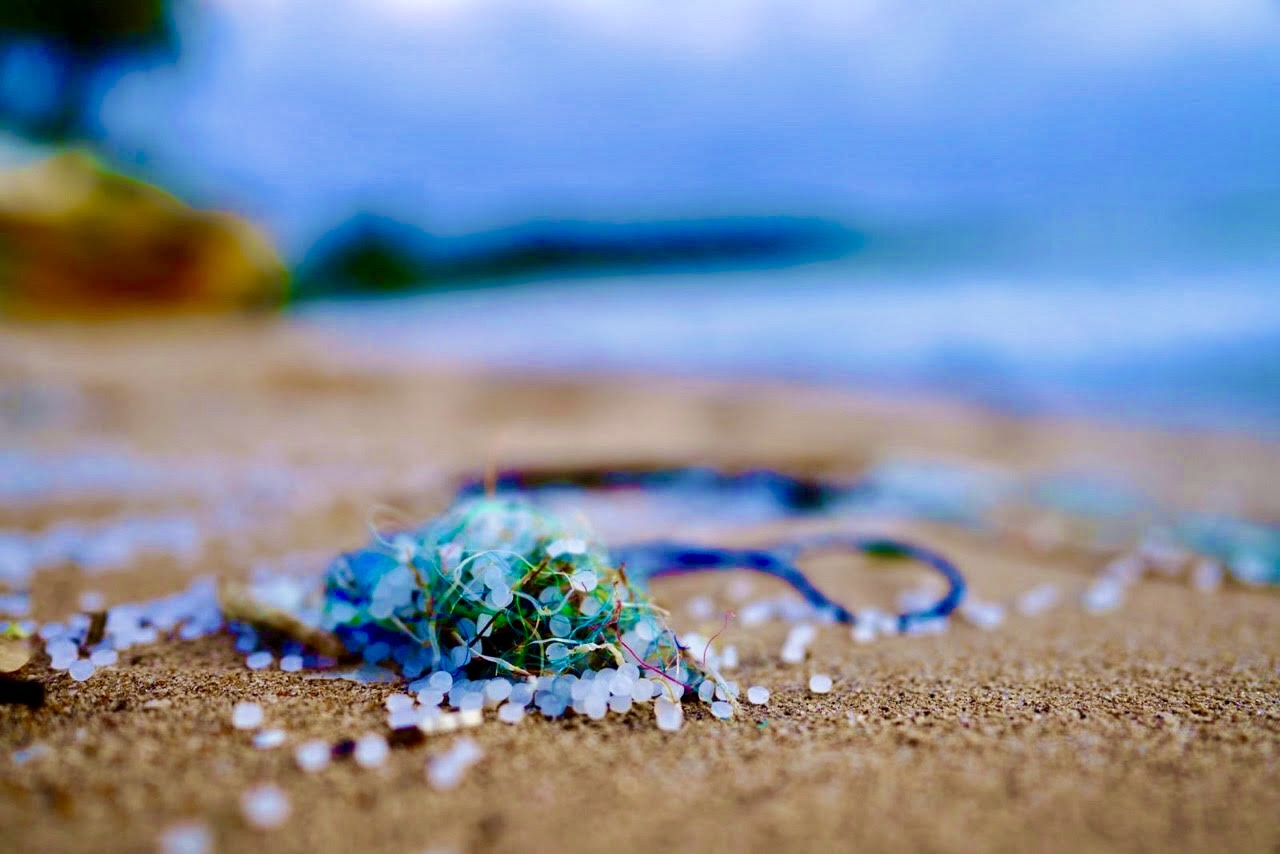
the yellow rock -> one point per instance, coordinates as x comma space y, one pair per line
77, 239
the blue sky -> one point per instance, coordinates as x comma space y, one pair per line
469, 114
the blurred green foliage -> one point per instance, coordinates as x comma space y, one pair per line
77, 39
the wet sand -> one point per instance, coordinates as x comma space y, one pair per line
1153, 727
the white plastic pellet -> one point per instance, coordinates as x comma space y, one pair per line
643, 690
797, 643
700, 607
1207, 576
1105, 594
792, 654
397, 702
802, 635
104, 657
722, 710
497, 690
430, 698
92, 600
312, 756
81, 670
729, 658
1037, 600
928, 626
246, 716
567, 546
401, 718
755, 613
268, 739
919, 599
982, 615
291, 663
596, 707
445, 771
1125, 570
62, 648
371, 751
820, 683
259, 660
510, 713
740, 589
757, 695
265, 807
707, 691
189, 837
669, 715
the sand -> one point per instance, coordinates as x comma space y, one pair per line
1154, 727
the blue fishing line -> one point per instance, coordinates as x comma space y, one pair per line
644, 561
790, 494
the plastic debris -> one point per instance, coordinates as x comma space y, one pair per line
371, 751
701, 607
81, 669
511, 713
26, 754
758, 695
278, 605
268, 739
1105, 594
982, 615
669, 715
104, 657
863, 632
246, 716
1207, 576
1037, 600
188, 837
820, 683
312, 756
796, 645
445, 771
265, 807
528, 599
399, 702
925, 628
92, 600
450, 721
259, 660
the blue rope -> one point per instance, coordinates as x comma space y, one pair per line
644, 561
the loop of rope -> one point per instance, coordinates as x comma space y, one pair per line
645, 561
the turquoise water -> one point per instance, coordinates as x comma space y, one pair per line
1190, 349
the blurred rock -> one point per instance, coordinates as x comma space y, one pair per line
77, 240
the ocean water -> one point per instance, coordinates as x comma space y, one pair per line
1183, 350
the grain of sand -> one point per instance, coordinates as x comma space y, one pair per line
1156, 727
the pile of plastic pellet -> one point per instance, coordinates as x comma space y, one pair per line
537, 617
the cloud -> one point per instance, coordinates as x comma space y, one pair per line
1071, 30
482, 109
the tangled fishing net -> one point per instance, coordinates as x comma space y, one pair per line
495, 588
497, 601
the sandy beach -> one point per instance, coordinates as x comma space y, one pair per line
1153, 727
